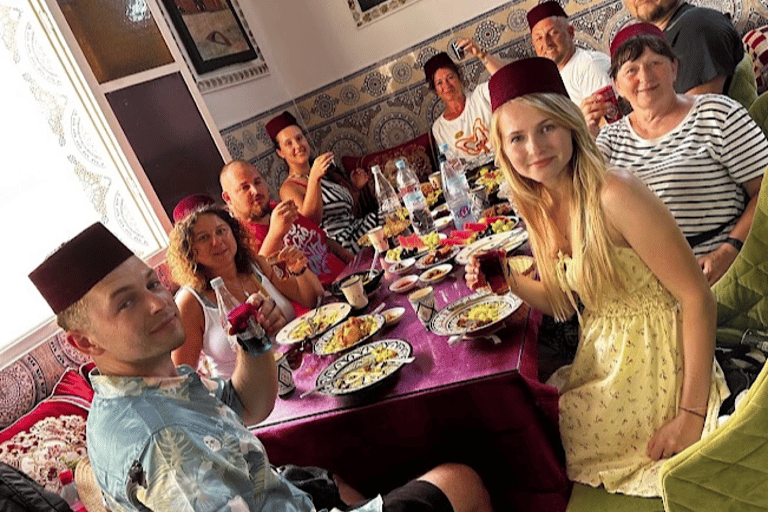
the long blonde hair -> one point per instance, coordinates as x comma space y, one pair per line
590, 243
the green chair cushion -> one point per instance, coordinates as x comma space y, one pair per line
727, 470
743, 86
590, 499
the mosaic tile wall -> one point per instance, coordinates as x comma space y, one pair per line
389, 102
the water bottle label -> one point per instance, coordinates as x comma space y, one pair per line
414, 200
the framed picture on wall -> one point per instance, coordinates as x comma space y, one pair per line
366, 11
211, 32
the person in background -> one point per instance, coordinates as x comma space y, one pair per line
208, 243
465, 123
583, 72
272, 226
706, 43
182, 438
644, 384
320, 190
701, 154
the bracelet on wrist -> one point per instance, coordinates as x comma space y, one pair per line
300, 272
691, 411
738, 244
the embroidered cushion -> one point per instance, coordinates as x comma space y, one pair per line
52, 435
756, 46
417, 152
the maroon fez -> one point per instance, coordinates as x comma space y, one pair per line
545, 10
77, 266
190, 203
525, 76
277, 123
631, 31
441, 60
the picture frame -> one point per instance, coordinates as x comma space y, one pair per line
211, 32
367, 11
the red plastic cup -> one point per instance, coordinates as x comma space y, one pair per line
493, 266
609, 95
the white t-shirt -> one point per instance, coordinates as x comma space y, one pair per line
699, 167
585, 73
470, 133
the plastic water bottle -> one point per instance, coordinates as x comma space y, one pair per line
241, 317
456, 189
69, 491
389, 203
413, 198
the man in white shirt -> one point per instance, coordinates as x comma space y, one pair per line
583, 72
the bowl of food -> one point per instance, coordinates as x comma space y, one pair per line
404, 284
393, 315
403, 266
370, 284
442, 254
435, 274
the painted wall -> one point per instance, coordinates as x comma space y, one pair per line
311, 43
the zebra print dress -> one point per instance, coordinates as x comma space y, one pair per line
338, 222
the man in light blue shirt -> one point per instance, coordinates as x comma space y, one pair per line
184, 436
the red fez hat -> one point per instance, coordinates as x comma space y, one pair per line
277, 123
190, 203
525, 76
545, 10
631, 31
441, 60
78, 265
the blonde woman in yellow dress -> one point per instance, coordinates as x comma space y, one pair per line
644, 384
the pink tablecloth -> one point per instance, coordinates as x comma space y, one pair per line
475, 402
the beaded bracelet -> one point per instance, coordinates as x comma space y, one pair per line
297, 274
691, 411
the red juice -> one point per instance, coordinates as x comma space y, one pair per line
492, 264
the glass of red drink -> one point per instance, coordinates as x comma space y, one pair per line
493, 266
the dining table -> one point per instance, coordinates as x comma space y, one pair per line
476, 402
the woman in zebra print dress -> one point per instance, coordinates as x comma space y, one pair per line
322, 192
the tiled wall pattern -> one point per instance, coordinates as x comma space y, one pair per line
389, 102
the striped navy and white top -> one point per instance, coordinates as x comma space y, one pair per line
698, 169
338, 222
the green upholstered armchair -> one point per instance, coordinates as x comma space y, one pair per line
743, 86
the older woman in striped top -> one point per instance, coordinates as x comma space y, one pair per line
320, 190
702, 155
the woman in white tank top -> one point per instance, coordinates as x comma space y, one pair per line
208, 243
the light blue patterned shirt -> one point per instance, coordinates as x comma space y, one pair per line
197, 454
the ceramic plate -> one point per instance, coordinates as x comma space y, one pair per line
446, 321
338, 378
443, 222
439, 209
393, 315
322, 345
417, 255
404, 284
401, 267
422, 265
298, 329
436, 274
506, 241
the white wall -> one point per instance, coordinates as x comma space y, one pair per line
310, 43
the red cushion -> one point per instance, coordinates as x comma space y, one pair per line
42, 442
417, 152
756, 45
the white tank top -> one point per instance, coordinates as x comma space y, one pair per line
219, 357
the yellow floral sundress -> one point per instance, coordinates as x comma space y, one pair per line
624, 382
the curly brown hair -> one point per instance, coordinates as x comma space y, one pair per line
184, 269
